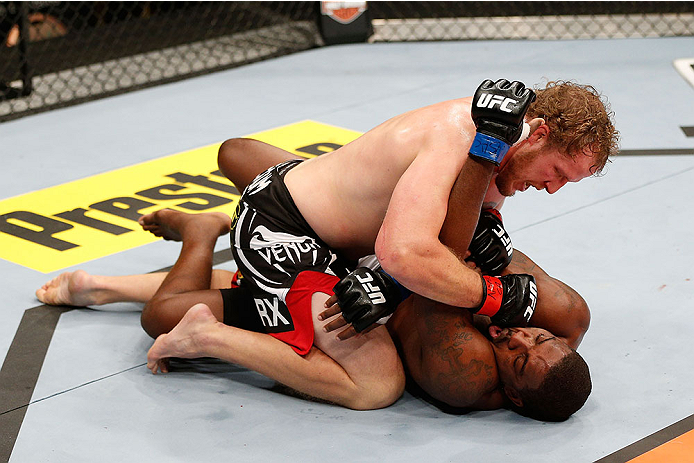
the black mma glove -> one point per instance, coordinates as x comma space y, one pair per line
498, 109
365, 296
491, 247
509, 300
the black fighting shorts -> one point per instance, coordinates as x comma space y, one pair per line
282, 260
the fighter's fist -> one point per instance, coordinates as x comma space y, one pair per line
490, 249
365, 296
509, 300
498, 109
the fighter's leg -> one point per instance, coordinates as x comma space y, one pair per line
81, 289
199, 334
189, 280
560, 309
242, 159
370, 360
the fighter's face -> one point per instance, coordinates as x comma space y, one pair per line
525, 355
537, 164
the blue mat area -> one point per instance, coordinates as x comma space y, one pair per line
623, 241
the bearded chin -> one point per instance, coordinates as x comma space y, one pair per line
505, 188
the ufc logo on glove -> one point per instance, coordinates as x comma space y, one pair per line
487, 100
374, 292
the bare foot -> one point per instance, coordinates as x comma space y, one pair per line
76, 288
186, 340
175, 226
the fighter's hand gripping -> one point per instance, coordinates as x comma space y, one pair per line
509, 300
490, 249
364, 297
498, 109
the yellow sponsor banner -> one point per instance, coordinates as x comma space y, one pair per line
65, 225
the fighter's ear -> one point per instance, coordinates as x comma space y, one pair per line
540, 132
513, 396
535, 124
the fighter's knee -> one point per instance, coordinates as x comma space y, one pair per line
230, 152
391, 389
381, 393
152, 318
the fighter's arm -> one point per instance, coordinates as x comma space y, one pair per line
560, 309
408, 245
464, 204
409, 248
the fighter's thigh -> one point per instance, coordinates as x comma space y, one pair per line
370, 359
221, 279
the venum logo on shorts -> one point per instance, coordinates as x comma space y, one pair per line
274, 315
284, 246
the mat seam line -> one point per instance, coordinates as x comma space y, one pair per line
608, 198
71, 389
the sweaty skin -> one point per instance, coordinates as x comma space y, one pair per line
407, 201
387, 192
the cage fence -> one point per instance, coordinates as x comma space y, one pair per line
56, 53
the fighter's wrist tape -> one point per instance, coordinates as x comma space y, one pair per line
492, 297
489, 148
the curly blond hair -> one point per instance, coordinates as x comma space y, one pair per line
579, 119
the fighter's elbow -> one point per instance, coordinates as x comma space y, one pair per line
582, 322
396, 260
578, 319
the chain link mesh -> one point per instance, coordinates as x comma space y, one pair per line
60, 53
421, 21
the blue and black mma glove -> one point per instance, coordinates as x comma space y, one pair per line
365, 296
498, 109
490, 248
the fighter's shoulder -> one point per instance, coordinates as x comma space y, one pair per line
446, 127
444, 115
459, 357
484, 392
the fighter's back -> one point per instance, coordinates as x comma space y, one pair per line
356, 181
